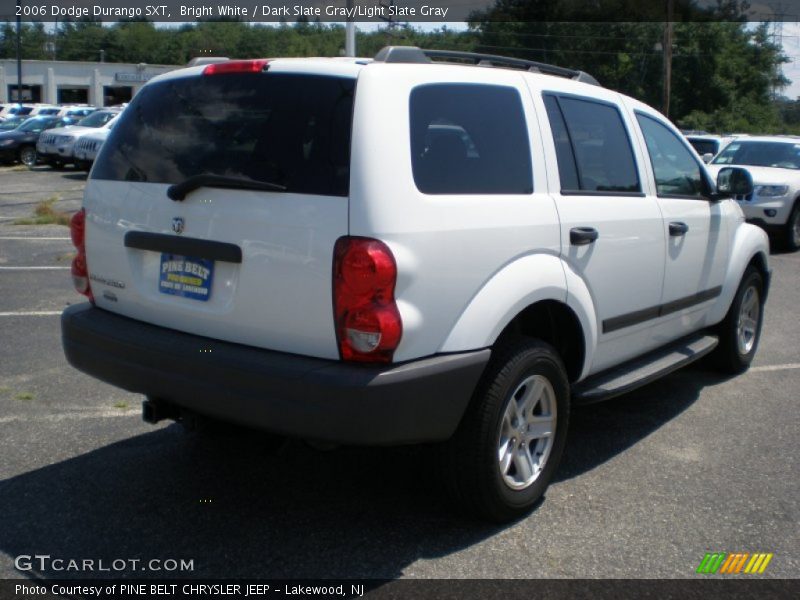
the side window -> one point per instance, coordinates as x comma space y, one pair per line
677, 172
592, 145
567, 170
469, 139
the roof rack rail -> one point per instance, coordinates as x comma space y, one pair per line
412, 54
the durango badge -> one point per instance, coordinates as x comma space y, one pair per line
177, 225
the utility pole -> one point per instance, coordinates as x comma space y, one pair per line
667, 47
390, 22
19, 53
349, 32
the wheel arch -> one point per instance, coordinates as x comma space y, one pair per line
557, 324
750, 246
530, 296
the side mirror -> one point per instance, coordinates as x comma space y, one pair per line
734, 181
707, 157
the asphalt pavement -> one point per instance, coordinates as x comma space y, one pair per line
650, 482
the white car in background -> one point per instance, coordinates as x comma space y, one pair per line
78, 111
708, 145
56, 147
774, 162
87, 147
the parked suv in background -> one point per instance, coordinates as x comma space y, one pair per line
775, 165
708, 145
407, 250
86, 148
56, 146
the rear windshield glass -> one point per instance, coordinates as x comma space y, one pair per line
704, 146
289, 129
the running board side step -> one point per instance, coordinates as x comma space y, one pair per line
643, 370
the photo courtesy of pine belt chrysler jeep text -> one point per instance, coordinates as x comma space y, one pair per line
407, 249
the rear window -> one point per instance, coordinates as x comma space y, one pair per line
469, 139
592, 146
704, 146
289, 129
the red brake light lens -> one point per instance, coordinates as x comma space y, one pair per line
368, 324
77, 227
79, 270
237, 66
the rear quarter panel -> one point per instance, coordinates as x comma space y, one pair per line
448, 247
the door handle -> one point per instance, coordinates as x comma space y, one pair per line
580, 236
676, 228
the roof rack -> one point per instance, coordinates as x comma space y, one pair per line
412, 54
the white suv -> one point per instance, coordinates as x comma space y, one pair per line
774, 162
56, 146
402, 250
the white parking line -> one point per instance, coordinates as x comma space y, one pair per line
766, 368
35, 268
102, 413
31, 313
11, 237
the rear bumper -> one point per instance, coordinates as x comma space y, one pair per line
418, 401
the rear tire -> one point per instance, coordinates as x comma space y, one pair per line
501, 459
740, 331
792, 233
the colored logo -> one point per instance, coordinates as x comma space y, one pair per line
734, 563
177, 225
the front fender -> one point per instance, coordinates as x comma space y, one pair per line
748, 242
519, 284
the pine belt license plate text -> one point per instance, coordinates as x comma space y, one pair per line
186, 276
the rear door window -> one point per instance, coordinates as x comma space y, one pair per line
289, 129
469, 139
593, 148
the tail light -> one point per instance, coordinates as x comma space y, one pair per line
80, 273
368, 324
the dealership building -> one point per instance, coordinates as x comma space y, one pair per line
67, 82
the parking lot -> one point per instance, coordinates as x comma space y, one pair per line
650, 482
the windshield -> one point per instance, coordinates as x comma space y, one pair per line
10, 123
36, 124
782, 155
288, 129
97, 119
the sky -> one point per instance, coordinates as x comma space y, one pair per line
790, 35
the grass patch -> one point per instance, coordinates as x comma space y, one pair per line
65, 257
24, 396
45, 214
122, 405
4, 390
19, 168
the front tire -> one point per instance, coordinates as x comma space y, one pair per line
740, 331
501, 459
28, 156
